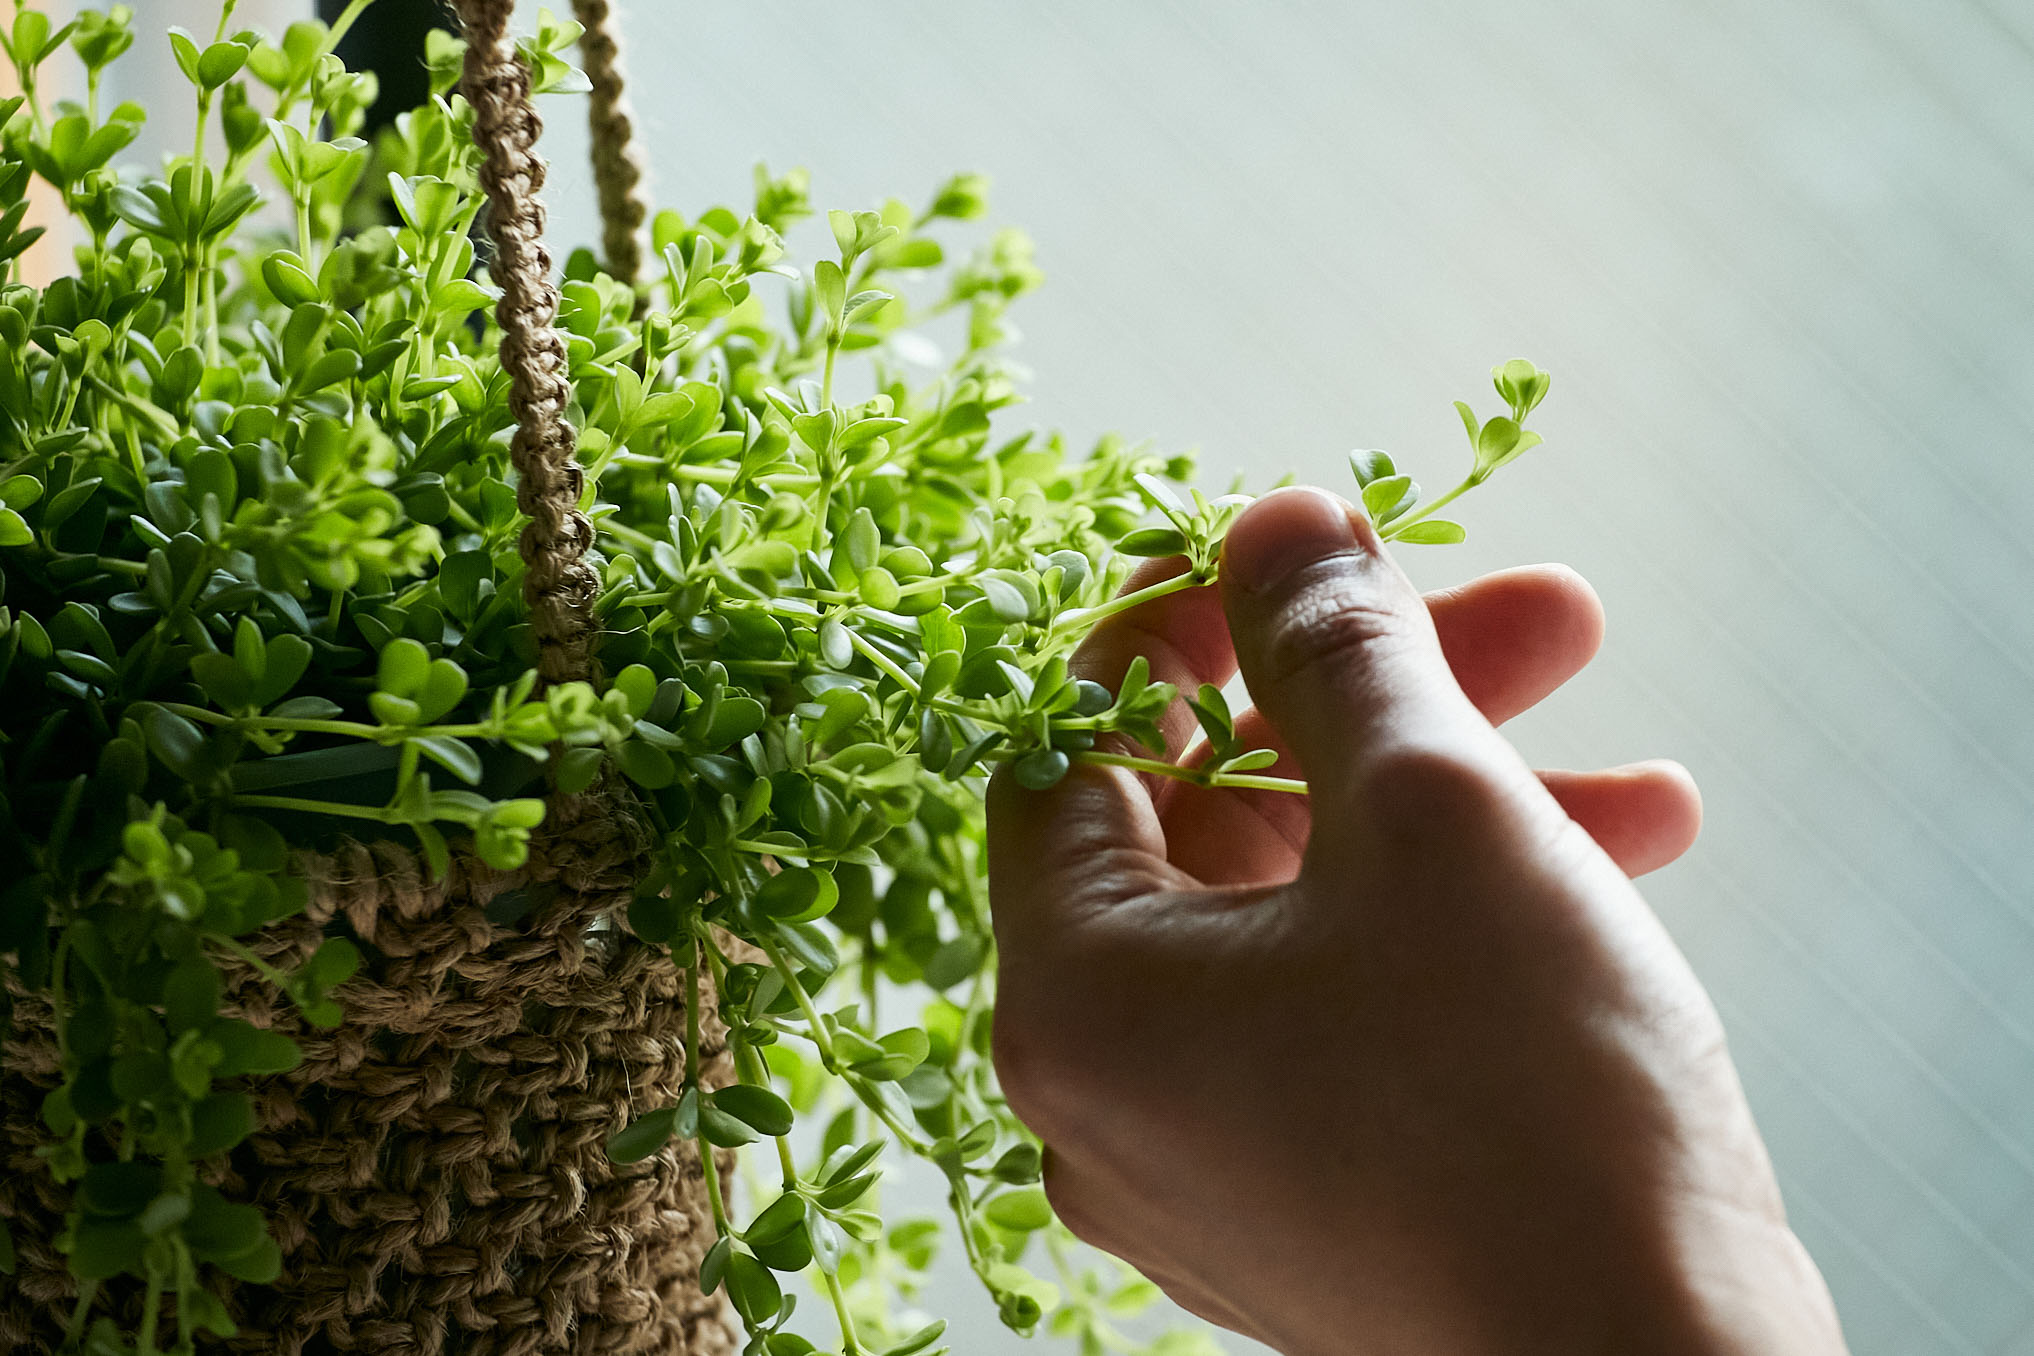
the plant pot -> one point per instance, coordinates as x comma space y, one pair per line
435, 1170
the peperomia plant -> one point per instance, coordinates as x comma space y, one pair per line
259, 587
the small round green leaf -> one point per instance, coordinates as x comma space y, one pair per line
713, 1266
1432, 532
1041, 768
757, 1107
1153, 541
753, 1289
1019, 1211
798, 894
644, 1137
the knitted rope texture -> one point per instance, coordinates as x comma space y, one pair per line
617, 162
558, 584
435, 1171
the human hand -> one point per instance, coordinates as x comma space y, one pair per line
1405, 1065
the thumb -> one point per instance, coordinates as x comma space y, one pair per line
1336, 645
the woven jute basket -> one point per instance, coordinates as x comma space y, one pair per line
435, 1170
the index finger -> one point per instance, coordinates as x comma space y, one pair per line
1182, 636
1059, 855
1094, 839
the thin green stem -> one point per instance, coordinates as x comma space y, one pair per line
142, 409
806, 854
350, 729
710, 1170
829, 472
211, 308
861, 1087
342, 24
112, 565
151, 1313
136, 459
135, 568
599, 464
1237, 781
882, 661
70, 404
186, 1283
314, 807
849, 1345
728, 475
929, 584
964, 1211
58, 995
26, 75
775, 608
641, 541
707, 1167
74, 1330
191, 268
198, 140
1086, 618
261, 967
754, 1070
1430, 507
978, 1004
868, 977
864, 1092
1099, 1328
954, 707
820, 1036
822, 529
305, 245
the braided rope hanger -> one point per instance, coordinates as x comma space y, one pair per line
559, 587
617, 162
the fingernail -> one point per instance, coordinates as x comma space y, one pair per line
1283, 532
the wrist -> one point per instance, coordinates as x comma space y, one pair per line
1742, 1284
1715, 1282
1718, 1281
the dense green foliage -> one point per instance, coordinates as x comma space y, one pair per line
259, 584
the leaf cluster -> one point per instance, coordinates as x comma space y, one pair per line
259, 588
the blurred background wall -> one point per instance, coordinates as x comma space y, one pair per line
1778, 259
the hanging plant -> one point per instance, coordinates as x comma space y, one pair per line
470, 750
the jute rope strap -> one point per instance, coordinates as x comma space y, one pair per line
558, 585
617, 162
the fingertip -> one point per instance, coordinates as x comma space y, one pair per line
1678, 789
1286, 530
1154, 570
1088, 841
1512, 637
1558, 609
1183, 636
1336, 647
1572, 600
1644, 815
